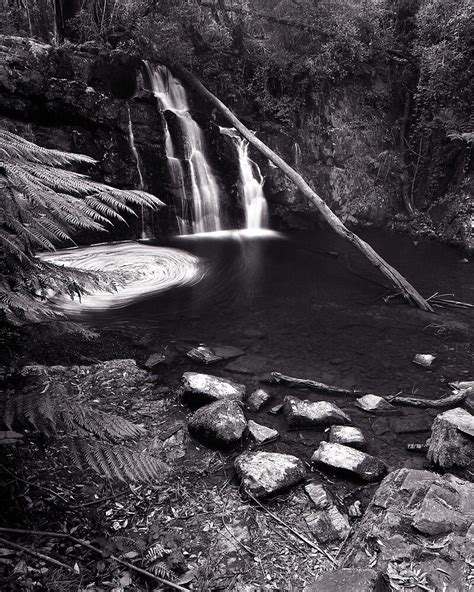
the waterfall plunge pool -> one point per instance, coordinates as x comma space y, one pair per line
304, 304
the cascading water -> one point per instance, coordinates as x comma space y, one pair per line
251, 184
187, 162
131, 141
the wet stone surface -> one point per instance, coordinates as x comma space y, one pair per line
219, 424
266, 473
301, 413
199, 389
360, 464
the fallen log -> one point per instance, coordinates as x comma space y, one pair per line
396, 279
451, 401
313, 384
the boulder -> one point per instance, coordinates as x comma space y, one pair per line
266, 473
451, 441
219, 424
257, 399
337, 456
421, 519
302, 413
374, 403
347, 435
261, 434
200, 389
349, 580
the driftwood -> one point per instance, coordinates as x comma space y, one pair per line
313, 384
451, 401
396, 279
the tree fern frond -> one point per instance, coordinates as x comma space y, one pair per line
100, 424
31, 410
12, 144
109, 460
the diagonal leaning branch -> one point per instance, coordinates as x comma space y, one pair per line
396, 279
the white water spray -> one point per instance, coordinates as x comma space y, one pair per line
251, 184
204, 216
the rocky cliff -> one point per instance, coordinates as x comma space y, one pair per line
83, 98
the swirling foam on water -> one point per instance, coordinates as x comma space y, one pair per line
145, 270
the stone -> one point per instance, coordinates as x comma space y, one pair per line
410, 424
302, 413
155, 362
419, 518
203, 354
219, 424
227, 352
373, 403
265, 473
337, 456
438, 515
318, 495
424, 360
349, 580
248, 364
200, 389
451, 442
276, 409
257, 399
261, 434
328, 525
208, 355
347, 435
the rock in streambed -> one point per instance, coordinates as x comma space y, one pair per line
360, 464
219, 424
301, 413
200, 389
265, 473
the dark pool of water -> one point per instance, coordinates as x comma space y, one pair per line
308, 305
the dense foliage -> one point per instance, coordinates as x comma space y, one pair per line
276, 61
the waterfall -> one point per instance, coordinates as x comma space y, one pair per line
133, 148
186, 154
297, 154
251, 184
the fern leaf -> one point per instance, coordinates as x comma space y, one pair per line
109, 460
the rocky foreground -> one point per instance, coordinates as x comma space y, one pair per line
417, 530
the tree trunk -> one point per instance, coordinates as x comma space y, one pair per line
398, 281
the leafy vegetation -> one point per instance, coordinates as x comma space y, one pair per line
43, 204
90, 436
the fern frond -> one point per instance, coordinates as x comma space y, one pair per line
17, 147
31, 410
116, 462
103, 425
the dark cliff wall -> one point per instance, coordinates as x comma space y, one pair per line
346, 144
